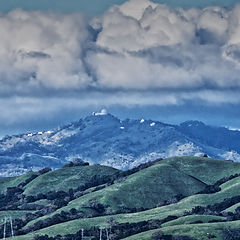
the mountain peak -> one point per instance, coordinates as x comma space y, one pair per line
102, 116
103, 112
103, 138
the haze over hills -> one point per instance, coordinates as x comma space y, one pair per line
102, 138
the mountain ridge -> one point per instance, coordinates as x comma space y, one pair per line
103, 138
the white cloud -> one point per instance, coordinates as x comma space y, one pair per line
157, 25
136, 8
42, 49
156, 47
132, 72
215, 20
140, 46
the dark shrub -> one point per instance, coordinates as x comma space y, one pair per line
231, 234
44, 170
183, 238
157, 235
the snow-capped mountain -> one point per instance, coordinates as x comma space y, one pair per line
103, 138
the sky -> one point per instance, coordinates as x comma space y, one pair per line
96, 7
62, 60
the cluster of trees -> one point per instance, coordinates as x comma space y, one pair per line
77, 162
172, 200
160, 236
155, 236
61, 217
216, 208
9, 200
231, 234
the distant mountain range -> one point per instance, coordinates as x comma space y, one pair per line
102, 138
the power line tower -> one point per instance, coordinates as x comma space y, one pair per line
101, 233
4, 228
5, 221
11, 224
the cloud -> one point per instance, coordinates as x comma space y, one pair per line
41, 50
153, 46
157, 25
138, 49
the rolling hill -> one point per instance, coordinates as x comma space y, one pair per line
170, 196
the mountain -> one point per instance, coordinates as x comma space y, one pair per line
102, 138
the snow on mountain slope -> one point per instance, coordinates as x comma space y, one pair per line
102, 138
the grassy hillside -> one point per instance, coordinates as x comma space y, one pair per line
14, 214
66, 228
162, 212
208, 170
67, 178
144, 189
147, 188
198, 231
14, 181
232, 208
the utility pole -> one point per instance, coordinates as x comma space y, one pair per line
107, 234
11, 223
100, 237
82, 234
4, 228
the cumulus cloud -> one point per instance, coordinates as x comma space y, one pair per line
158, 25
139, 47
41, 50
156, 47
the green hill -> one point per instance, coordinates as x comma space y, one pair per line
69, 178
162, 181
207, 170
162, 212
198, 231
125, 196
14, 181
144, 189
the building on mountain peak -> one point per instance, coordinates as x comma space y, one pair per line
102, 113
